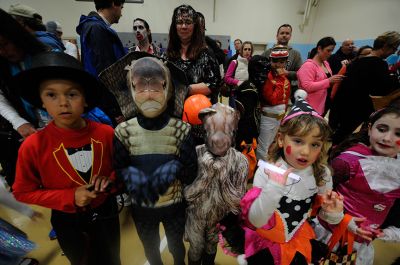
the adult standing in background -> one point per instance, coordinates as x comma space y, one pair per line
17, 46
315, 75
283, 36
211, 43
142, 32
31, 21
364, 77
188, 50
238, 46
361, 52
101, 46
344, 55
55, 28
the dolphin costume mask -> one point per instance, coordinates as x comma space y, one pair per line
150, 83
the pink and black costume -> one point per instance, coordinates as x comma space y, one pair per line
370, 186
276, 217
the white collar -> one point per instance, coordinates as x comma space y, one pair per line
381, 172
105, 20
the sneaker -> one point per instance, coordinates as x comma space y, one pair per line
52, 235
29, 261
124, 199
4, 184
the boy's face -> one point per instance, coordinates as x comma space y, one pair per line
277, 63
64, 101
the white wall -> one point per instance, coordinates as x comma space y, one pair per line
357, 19
255, 20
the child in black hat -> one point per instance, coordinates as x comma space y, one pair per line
67, 166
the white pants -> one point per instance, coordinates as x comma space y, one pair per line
268, 129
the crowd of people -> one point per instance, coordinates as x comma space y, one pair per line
85, 127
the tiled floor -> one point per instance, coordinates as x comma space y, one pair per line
49, 253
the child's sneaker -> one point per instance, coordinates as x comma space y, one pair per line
29, 261
3, 183
52, 235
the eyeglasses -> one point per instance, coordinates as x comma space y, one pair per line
138, 27
149, 84
187, 21
247, 49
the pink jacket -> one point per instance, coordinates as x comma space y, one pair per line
312, 78
230, 73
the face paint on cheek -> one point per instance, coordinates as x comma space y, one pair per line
398, 142
288, 149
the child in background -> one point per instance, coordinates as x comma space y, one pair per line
274, 95
67, 166
276, 209
366, 172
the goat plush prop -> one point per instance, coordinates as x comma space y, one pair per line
219, 186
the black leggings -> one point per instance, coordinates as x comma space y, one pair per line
9, 142
147, 221
87, 242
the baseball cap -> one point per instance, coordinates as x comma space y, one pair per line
53, 27
22, 11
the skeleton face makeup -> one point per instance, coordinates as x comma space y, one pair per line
150, 85
140, 30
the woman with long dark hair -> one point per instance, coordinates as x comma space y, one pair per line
188, 50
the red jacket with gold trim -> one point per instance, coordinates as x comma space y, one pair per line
45, 174
276, 90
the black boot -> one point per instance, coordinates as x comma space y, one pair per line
191, 262
208, 259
